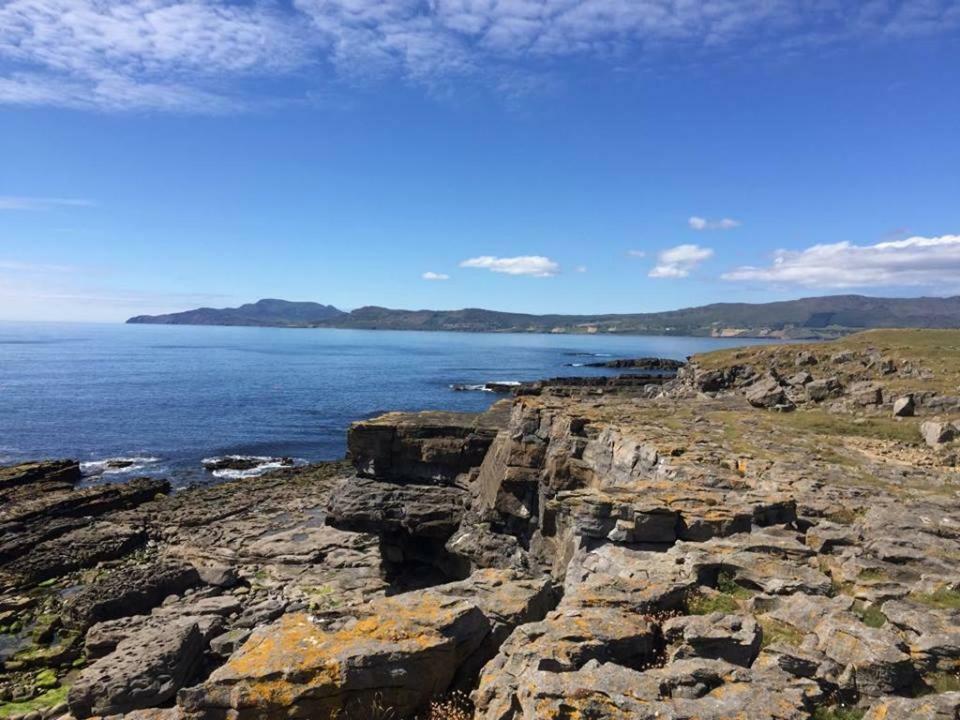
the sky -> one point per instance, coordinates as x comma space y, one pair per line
570, 156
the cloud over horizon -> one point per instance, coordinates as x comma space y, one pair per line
193, 55
677, 262
530, 265
914, 261
429, 275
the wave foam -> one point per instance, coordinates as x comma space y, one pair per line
248, 465
117, 465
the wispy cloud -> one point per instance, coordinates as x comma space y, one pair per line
435, 276
699, 223
637, 253
193, 55
914, 261
677, 262
17, 266
19, 202
532, 265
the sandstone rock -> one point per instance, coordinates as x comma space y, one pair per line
874, 655
365, 505
716, 636
400, 652
805, 358
133, 591
424, 447
945, 706
146, 669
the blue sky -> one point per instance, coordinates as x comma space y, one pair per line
528, 155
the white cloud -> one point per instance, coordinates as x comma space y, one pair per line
194, 55
699, 223
677, 262
435, 276
532, 265
916, 261
637, 253
580, 268
17, 202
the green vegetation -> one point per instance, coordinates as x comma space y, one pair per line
809, 318
727, 584
942, 682
819, 422
49, 699
944, 598
702, 604
776, 632
838, 712
872, 574
870, 615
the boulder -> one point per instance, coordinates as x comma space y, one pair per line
865, 393
805, 358
766, 393
904, 406
936, 433
146, 669
824, 389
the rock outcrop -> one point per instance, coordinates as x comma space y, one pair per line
596, 548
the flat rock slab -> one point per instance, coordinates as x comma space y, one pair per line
403, 651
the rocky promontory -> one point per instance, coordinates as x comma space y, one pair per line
773, 534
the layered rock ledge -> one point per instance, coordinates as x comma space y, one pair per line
773, 534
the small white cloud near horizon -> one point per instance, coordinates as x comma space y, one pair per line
581, 268
637, 253
530, 265
435, 276
677, 262
699, 223
914, 261
19, 202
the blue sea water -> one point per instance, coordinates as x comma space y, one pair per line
166, 397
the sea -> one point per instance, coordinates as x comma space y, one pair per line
158, 400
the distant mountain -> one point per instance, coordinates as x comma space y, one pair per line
814, 317
267, 313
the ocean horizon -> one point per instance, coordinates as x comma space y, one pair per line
129, 400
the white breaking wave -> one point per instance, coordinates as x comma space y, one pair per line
117, 465
260, 464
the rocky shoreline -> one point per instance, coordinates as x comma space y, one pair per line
772, 534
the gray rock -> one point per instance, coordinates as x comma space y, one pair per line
936, 433
146, 669
766, 393
824, 389
904, 406
732, 638
945, 706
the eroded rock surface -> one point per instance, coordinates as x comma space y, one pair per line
594, 548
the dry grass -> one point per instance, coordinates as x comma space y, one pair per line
451, 706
